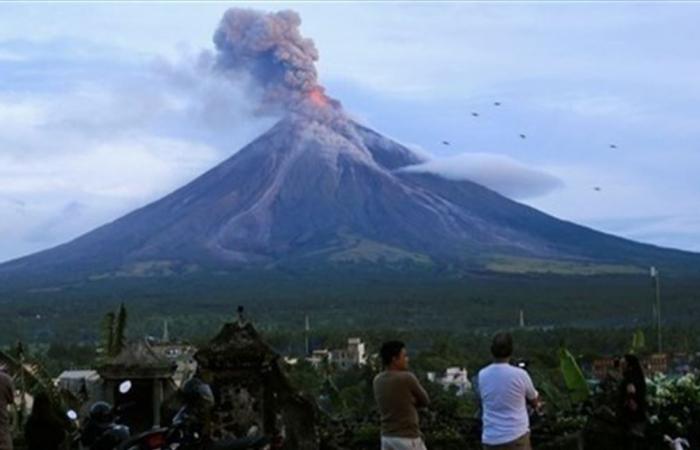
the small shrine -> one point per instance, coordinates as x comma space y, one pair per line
251, 390
151, 377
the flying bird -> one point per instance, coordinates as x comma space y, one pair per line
613, 146
522, 136
445, 142
475, 114
597, 188
496, 103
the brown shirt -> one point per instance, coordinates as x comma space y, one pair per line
398, 394
6, 398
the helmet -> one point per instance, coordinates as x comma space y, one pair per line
101, 413
197, 392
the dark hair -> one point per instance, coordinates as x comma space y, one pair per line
502, 345
390, 350
633, 373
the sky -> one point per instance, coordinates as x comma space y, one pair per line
106, 107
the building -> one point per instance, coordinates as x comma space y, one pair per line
252, 390
651, 364
82, 384
320, 357
181, 355
655, 363
354, 355
602, 366
151, 378
456, 377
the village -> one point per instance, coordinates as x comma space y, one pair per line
253, 382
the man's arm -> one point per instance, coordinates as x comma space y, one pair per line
420, 396
531, 394
477, 398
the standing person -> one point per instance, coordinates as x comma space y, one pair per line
398, 393
504, 391
632, 398
7, 397
43, 430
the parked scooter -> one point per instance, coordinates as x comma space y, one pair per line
188, 429
101, 430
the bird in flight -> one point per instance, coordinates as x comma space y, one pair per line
522, 136
475, 114
496, 103
597, 189
613, 146
445, 142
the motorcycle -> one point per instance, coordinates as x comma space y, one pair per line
187, 430
101, 429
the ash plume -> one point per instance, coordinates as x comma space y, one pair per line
269, 49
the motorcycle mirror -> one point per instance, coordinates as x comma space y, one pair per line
72, 415
125, 387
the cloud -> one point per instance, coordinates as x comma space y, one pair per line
575, 79
500, 173
630, 204
107, 139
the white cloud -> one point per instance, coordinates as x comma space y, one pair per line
497, 172
76, 156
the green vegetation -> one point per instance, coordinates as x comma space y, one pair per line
514, 265
197, 306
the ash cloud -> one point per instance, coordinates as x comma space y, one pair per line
268, 50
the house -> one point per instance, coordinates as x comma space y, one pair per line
320, 357
457, 377
354, 355
602, 366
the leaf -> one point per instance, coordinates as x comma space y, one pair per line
573, 377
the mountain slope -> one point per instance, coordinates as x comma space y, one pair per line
313, 192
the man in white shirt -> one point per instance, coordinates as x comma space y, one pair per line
504, 391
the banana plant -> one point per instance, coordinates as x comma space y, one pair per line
573, 377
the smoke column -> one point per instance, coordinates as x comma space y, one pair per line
268, 48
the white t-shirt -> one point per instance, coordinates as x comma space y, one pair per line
503, 390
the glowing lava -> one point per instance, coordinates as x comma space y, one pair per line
318, 98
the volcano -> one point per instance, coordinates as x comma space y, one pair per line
319, 192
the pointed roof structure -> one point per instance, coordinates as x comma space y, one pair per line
252, 390
136, 361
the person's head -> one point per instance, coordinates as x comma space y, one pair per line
101, 414
197, 393
630, 367
502, 346
394, 355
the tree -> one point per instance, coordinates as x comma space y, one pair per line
114, 332
108, 334
638, 342
120, 330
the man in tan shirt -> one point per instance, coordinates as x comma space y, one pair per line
398, 393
